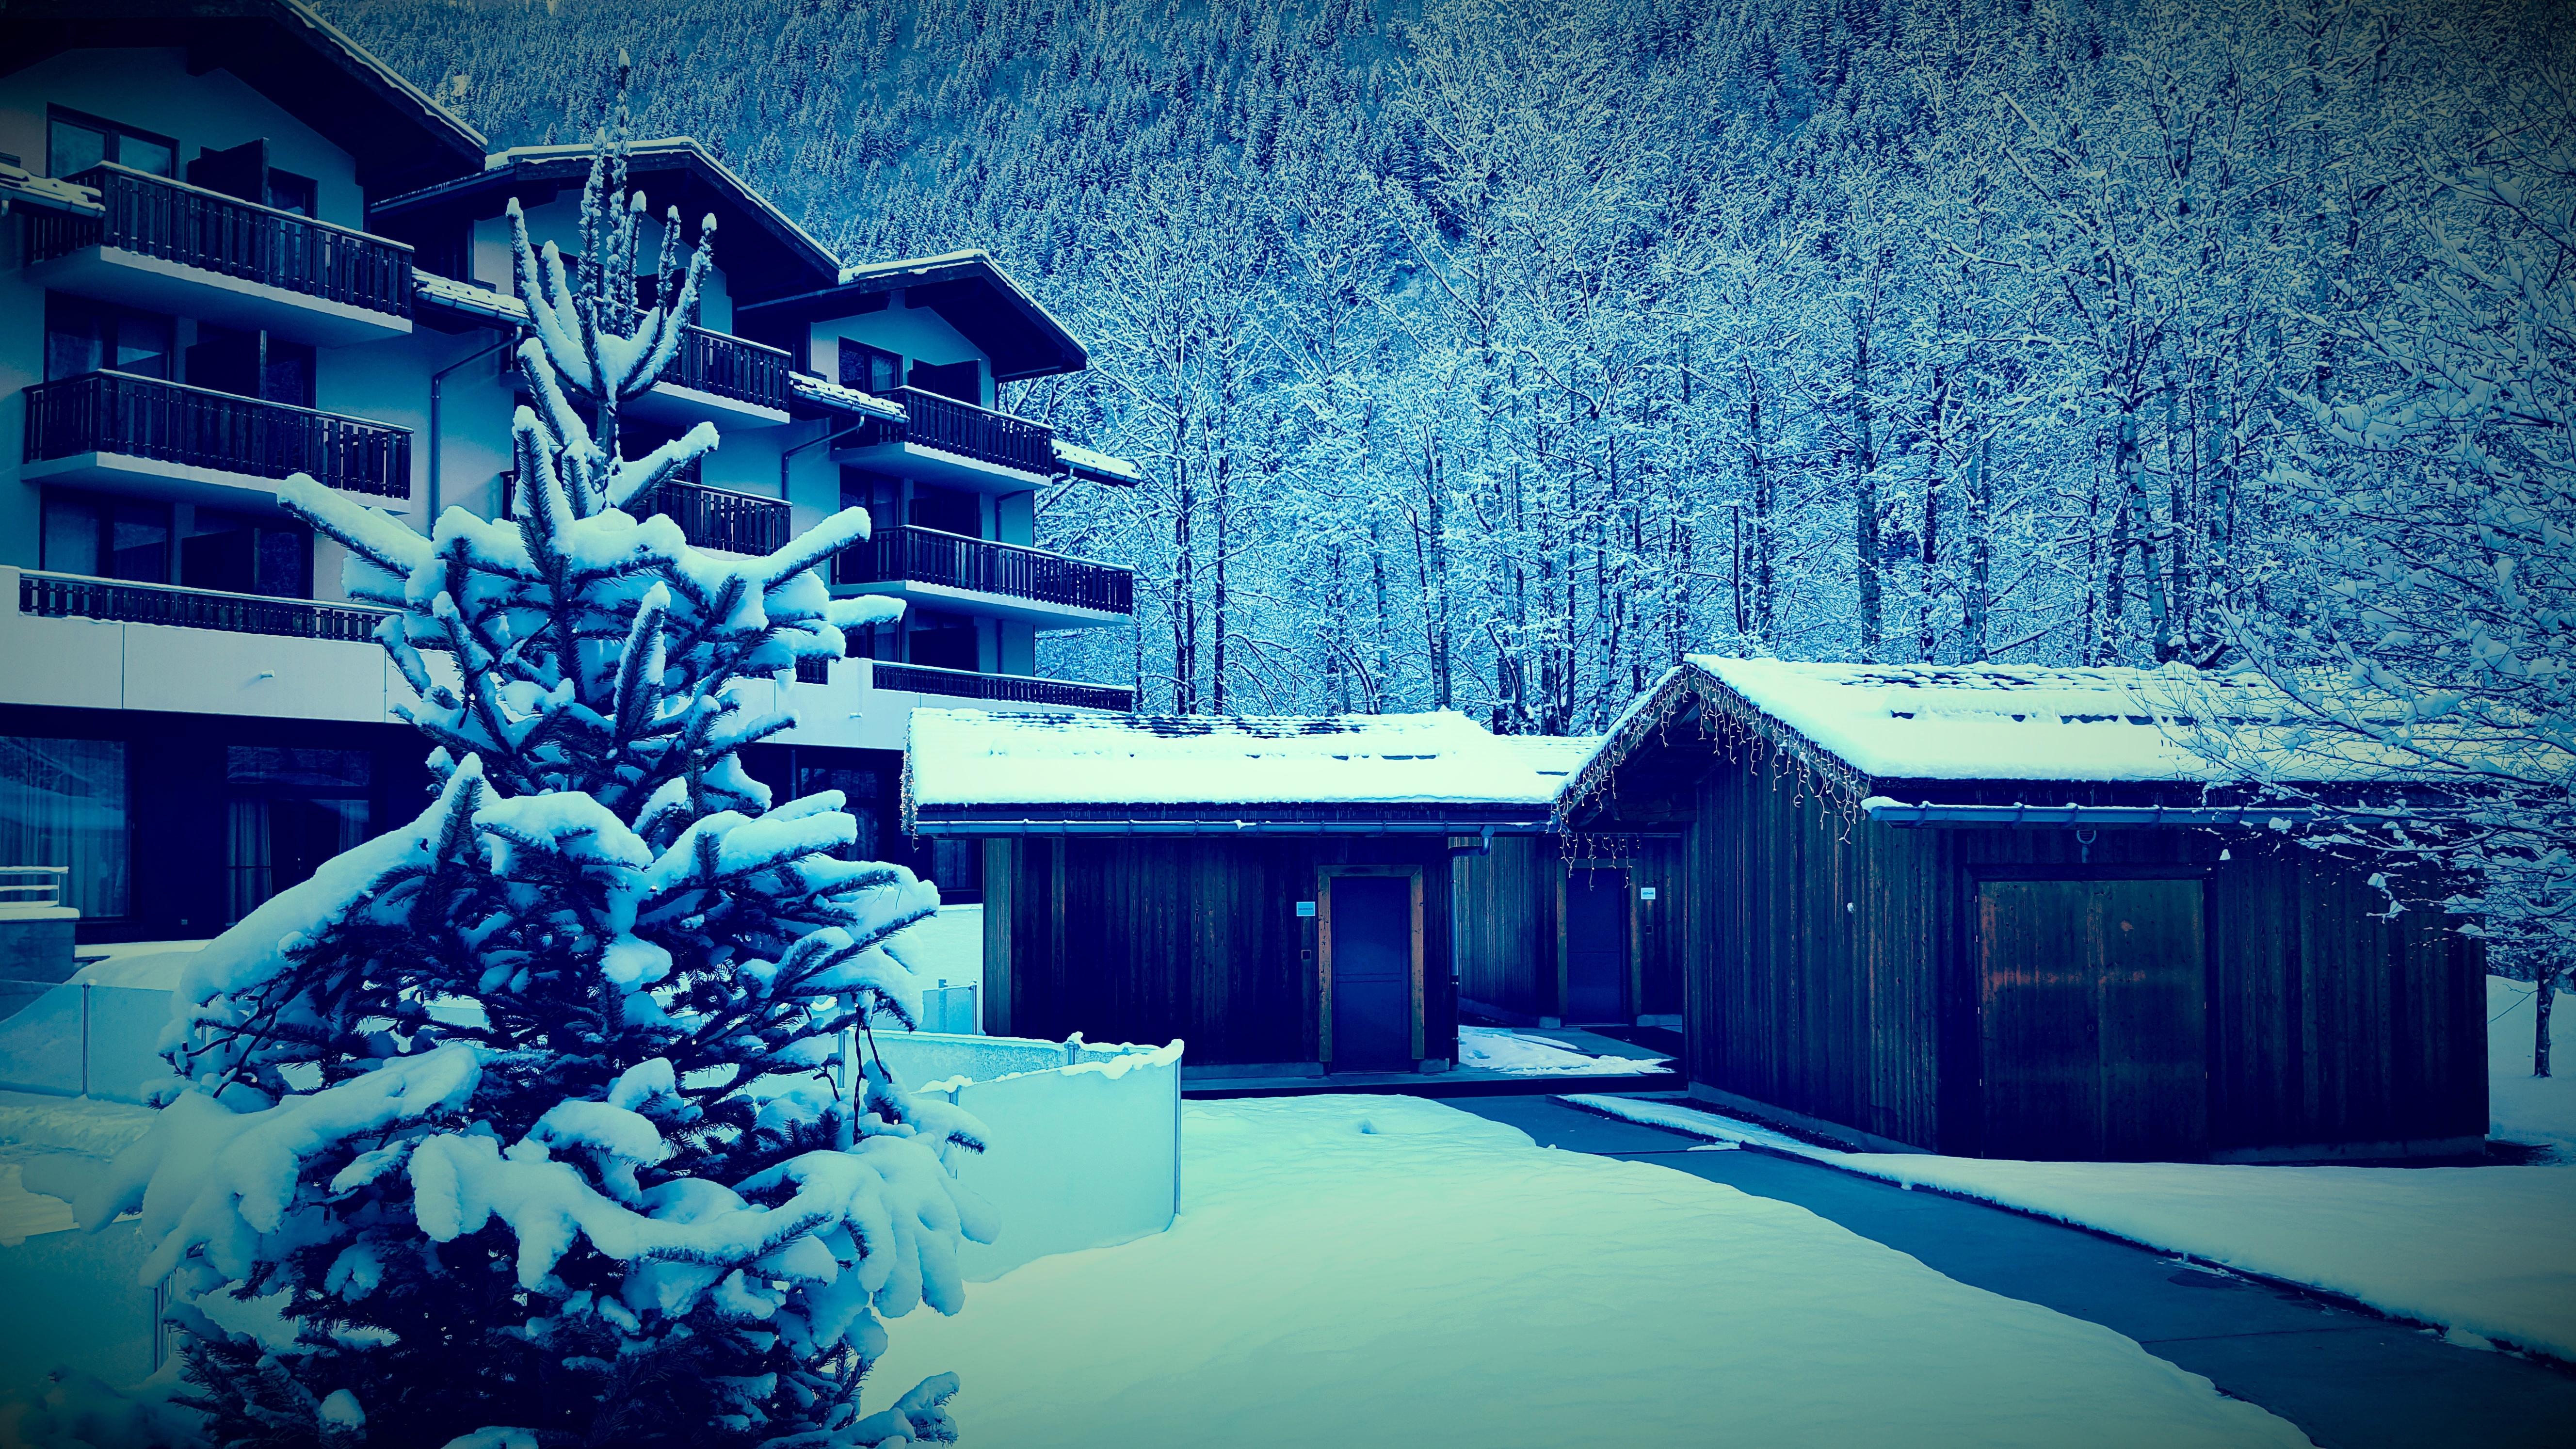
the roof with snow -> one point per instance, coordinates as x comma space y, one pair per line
968, 289
973, 772
398, 136
1865, 725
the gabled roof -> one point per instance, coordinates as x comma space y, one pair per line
399, 137
968, 289
762, 252
975, 772
1865, 726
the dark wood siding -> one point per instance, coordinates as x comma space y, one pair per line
1831, 967
1506, 904
1124, 938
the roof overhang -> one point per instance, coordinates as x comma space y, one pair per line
761, 250
399, 137
968, 290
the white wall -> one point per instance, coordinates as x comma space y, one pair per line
918, 333
151, 90
1084, 1141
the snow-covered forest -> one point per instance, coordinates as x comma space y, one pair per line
1489, 354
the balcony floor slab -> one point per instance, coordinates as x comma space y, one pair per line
937, 465
133, 279
178, 482
973, 601
668, 402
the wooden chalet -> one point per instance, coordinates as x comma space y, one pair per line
1567, 930
1274, 892
2000, 912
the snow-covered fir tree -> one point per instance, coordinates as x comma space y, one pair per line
529, 1118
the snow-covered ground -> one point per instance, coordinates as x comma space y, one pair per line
2485, 1252
1497, 1049
1387, 1271
2522, 1107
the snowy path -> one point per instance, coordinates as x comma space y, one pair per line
2349, 1379
1389, 1273
2483, 1251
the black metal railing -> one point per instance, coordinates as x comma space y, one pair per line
213, 232
66, 596
980, 565
727, 366
813, 671
144, 417
1009, 688
962, 428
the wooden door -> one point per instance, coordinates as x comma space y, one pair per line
1371, 960
1596, 946
2094, 1006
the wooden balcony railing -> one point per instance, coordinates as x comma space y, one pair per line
1007, 688
719, 518
212, 232
728, 366
714, 518
69, 596
980, 433
144, 417
978, 565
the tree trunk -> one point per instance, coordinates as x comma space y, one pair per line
1865, 547
2541, 1000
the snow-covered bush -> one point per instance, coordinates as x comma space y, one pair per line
528, 1123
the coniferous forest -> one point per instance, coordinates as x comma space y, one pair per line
1490, 355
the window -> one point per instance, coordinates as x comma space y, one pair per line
290, 192
290, 810
63, 802
241, 554
943, 641
84, 336
863, 796
106, 538
869, 369
963, 381
950, 510
74, 143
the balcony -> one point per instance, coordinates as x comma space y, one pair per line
70, 596
167, 246
717, 519
719, 379
724, 521
981, 576
1003, 688
956, 444
143, 435
87, 643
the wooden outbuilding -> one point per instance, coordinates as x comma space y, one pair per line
2001, 912
1274, 892
1567, 930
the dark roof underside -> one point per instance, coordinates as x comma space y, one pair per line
399, 139
760, 254
970, 293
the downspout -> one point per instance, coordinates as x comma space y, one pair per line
787, 456
437, 442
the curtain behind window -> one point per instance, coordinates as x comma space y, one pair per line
63, 802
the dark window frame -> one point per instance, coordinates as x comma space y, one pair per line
115, 131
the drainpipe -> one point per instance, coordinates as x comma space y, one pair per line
437, 383
787, 456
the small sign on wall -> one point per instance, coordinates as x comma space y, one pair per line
1645, 893
1305, 909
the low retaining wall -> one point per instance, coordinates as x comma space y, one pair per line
1085, 1141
